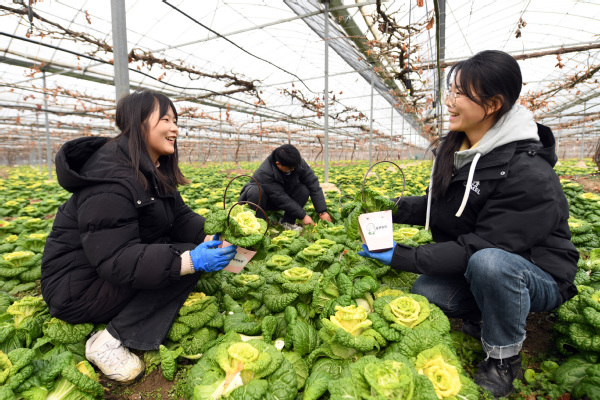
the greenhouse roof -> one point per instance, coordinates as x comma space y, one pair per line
255, 69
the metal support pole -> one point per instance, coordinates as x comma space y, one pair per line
48, 149
260, 156
402, 140
410, 129
326, 97
392, 136
558, 141
32, 153
583, 131
39, 143
221, 141
371, 118
121, 59
200, 149
442, 53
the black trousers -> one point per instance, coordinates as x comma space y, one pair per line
299, 194
145, 322
140, 319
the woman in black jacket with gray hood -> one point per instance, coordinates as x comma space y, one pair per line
498, 216
125, 249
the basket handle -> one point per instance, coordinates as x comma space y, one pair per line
344, 197
233, 179
248, 202
403, 180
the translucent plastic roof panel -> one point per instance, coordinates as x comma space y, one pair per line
255, 69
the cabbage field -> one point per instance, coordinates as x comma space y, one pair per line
307, 318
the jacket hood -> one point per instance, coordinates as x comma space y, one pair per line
518, 124
547, 150
71, 158
90, 161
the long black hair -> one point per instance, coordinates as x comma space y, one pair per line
489, 76
133, 113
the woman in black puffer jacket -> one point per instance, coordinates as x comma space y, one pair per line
498, 216
125, 249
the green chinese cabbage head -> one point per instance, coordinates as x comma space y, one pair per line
297, 274
352, 319
441, 365
248, 223
250, 370
407, 310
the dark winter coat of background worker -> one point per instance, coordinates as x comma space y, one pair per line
125, 249
498, 216
286, 182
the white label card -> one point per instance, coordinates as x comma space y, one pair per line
241, 258
376, 230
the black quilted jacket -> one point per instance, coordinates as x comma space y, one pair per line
277, 185
112, 234
516, 204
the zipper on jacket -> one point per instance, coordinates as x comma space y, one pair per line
177, 252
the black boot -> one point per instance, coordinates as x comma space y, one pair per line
472, 328
497, 375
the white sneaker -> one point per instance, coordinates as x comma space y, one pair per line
290, 227
114, 360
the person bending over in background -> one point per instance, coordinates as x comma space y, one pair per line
498, 216
125, 249
286, 182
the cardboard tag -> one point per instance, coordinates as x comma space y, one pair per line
241, 258
376, 230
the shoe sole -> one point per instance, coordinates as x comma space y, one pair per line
138, 377
129, 382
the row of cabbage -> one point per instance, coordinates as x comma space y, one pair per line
40, 357
316, 318
301, 295
308, 318
577, 331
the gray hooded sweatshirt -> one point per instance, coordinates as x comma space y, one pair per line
518, 124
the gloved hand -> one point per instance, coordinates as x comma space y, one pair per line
207, 257
384, 257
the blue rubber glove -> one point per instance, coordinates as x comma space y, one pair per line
207, 257
384, 257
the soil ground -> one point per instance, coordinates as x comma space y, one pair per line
537, 343
591, 183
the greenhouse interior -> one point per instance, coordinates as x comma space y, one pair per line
364, 91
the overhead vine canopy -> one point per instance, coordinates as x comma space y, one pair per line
253, 72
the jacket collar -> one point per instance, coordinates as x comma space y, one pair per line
517, 125
496, 157
499, 156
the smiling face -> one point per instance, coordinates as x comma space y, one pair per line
161, 133
467, 116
